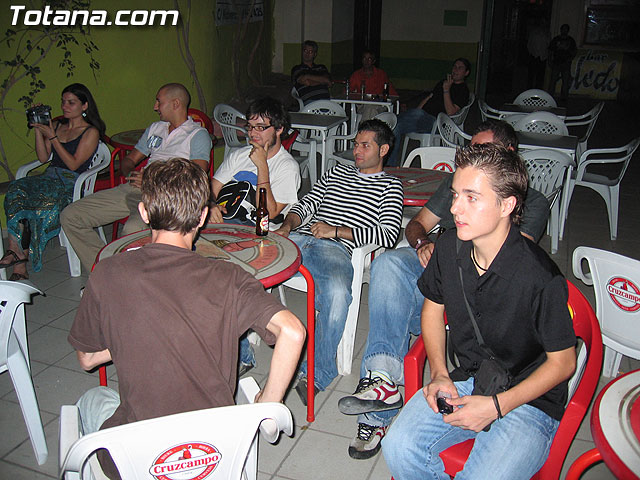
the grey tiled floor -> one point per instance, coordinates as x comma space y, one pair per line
317, 450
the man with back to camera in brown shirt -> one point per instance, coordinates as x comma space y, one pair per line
133, 306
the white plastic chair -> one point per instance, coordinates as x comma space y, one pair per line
548, 172
433, 158
616, 281
84, 186
221, 438
589, 120
608, 188
346, 157
535, 98
360, 260
431, 139
227, 117
541, 122
296, 96
487, 112
14, 357
451, 135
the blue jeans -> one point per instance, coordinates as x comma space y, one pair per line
395, 304
330, 265
247, 356
413, 120
515, 447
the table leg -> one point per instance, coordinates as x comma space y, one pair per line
311, 330
323, 162
583, 462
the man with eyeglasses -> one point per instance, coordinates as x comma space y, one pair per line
263, 164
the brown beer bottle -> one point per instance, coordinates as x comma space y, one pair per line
262, 215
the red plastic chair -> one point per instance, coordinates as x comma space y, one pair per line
584, 381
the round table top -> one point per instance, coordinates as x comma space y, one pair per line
126, 140
615, 425
272, 259
419, 184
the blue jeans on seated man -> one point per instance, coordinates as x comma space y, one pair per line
413, 120
515, 447
395, 304
330, 265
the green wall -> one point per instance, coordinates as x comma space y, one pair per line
134, 62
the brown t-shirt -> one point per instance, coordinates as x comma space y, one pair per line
171, 320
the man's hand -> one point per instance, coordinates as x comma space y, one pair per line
446, 85
443, 384
258, 154
424, 252
478, 412
322, 230
215, 213
135, 179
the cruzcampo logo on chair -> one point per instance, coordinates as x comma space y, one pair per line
624, 293
187, 461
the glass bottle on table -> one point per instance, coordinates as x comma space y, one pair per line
385, 91
262, 214
363, 88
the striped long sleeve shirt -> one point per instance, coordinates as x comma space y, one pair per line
369, 204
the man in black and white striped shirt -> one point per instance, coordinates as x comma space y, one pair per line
347, 208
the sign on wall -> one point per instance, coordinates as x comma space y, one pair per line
596, 74
232, 12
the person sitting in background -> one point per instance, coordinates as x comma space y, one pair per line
174, 135
448, 96
33, 204
374, 80
312, 81
170, 319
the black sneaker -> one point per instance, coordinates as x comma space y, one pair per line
373, 394
366, 442
301, 390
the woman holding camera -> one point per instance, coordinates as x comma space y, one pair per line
36, 202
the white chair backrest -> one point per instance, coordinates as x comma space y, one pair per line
541, 122
101, 159
323, 107
450, 133
587, 122
547, 169
608, 156
461, 116
616, 281
535, 98
296, 96
433, 158
228, 117
389, 118
215, 440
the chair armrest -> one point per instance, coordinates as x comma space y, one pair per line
25, 169
77, 189
414, 362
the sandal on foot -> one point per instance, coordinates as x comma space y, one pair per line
18, 277
16, 259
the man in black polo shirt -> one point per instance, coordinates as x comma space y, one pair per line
312, 81
448, 96
519, 301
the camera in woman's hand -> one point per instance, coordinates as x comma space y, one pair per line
38, 114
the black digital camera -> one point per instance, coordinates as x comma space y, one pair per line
39, 114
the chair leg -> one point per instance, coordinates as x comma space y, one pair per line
345, 347
75, 268
553, 224
612, 207
611, 362
21, 378
405, 144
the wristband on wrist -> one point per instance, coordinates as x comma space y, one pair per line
445, 91
497, 404
51, 139
420, 242
336, 232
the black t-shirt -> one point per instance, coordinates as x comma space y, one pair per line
520, 305
459, 96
